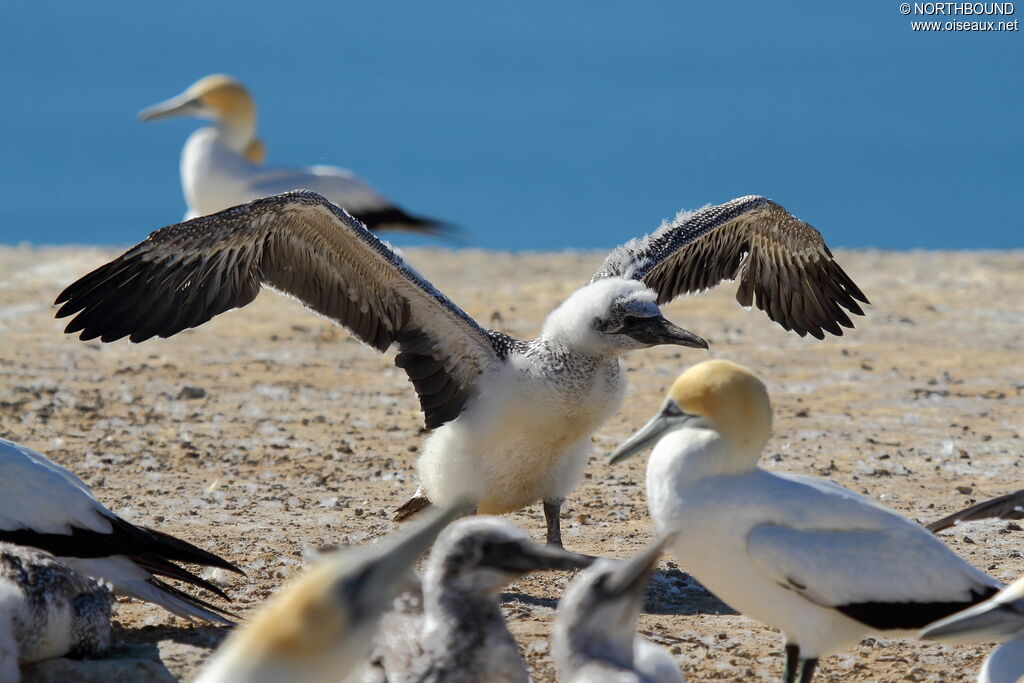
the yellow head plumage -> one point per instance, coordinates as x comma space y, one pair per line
223, 95
729, 396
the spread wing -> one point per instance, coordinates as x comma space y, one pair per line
1010, 506
896, 578
306, 247
782, 264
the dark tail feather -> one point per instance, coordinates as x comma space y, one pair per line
1010, 506
160, 566
172, 548
394, 218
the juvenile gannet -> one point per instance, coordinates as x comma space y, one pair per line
45, 506
595, 638
454, 630
1000, 618
822, 564
47, 610
320, 626
222, 165
1009, 506
513, 418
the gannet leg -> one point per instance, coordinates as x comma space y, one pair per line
807, 667
552, 514
792, 663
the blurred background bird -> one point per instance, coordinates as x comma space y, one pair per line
223, 165
320, 626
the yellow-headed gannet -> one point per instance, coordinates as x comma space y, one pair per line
998, 619
320, 626
513, 418
47, 610
222, 165
45, 506
1009, 506
824, 565
595, 638
453, 631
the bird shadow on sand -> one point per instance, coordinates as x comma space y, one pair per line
670, 591
134, 655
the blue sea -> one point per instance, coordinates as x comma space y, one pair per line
533, 125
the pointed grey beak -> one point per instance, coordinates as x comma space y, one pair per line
180, 105
380, 577
632, 575
986, 622
655, 330
669, 417
522, 557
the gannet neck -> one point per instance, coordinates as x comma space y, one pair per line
733, 403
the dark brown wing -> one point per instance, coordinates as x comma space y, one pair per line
782, 264
302, 245
1010, 506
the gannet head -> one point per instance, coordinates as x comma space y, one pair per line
323, 622
223, 99
597, 614
612, 316
478, 556
717, 395
997, 619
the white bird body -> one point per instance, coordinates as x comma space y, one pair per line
528, 436
824, 565
222, 165
215, 176
47, 610
45, 506
595, 638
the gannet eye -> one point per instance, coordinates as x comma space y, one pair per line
630, 320
672, 410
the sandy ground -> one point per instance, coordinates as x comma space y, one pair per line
301, 437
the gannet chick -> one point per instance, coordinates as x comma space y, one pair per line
1000, 618
47, 610
321, 625
822, 564
45, 506
1009, 506
459, 634
222, 165
595, 638
513, 418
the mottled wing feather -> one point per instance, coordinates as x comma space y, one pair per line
1010, 506
782, 264
302, 245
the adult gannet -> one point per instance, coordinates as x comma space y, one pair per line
1009, 506
222, 165
47, 610
999, 618
320, 626
513, 418
822, 564
453, 631
595, 638
45, 506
